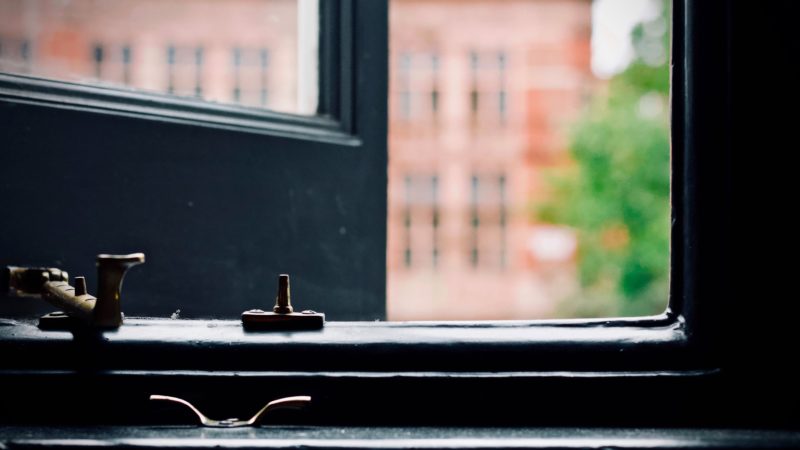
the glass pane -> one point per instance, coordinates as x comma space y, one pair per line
255, 53
529, 159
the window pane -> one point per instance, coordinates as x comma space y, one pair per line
254, 53
529, 159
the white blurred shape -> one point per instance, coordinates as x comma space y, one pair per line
550, 243
612, 22
651, 105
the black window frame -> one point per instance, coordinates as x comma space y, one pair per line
333, 122
626, 358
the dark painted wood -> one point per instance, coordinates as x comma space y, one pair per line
397, 438
364, 346
702, 178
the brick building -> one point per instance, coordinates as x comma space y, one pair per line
481, 96
236, 51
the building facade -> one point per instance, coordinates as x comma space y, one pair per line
240, 51
482, 96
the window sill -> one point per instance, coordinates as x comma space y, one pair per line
362, 372
639, 344
391, 438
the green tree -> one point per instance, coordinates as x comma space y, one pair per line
616, 195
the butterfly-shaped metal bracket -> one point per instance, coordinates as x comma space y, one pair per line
297, 402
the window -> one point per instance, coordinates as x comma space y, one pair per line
98, 61
420, 222
15, 54
185, 71
162, 170
112, 63
502, 94
434, 89
165, 47
488, 95
554, 174
177, 172
417, 87
405, 83
488, 221
251, 79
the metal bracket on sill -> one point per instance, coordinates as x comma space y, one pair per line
297, 402
282, 316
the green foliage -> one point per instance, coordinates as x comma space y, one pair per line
616, 196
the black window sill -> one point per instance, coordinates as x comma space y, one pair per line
625, 372
656, 344
392, 438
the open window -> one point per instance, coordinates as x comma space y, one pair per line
93, 170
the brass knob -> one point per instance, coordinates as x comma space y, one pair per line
283, 301
110, 273
282, 316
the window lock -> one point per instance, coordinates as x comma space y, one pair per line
282, 316
78, 308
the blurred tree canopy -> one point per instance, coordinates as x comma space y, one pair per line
616, 194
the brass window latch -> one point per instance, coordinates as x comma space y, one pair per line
282, 316
77, 306
297, 402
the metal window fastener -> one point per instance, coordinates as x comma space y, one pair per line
282, 316
77, 306
298, 402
